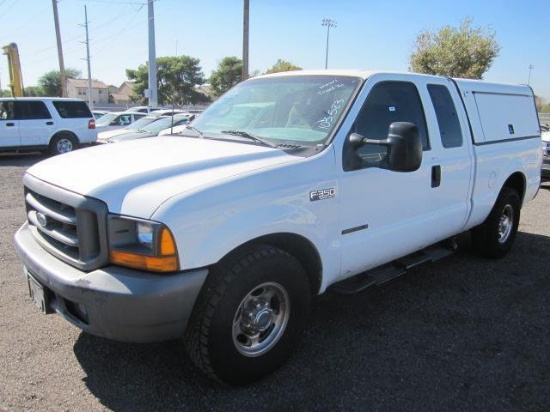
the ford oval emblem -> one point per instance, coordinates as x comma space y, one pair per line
42, 219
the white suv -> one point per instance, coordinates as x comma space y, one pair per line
57, 125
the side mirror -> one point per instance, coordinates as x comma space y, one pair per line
404, 146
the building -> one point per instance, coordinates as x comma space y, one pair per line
78, 88
123, 94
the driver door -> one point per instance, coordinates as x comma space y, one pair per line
385, 214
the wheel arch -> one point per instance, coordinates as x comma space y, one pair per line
517, 182
68, 133
296, 245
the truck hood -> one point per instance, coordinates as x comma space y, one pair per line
136, 177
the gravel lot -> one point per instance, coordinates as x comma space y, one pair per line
463, 334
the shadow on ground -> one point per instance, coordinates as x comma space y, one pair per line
462, 331
21, 159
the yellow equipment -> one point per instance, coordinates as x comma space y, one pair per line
16, 77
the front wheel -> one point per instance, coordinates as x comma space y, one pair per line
249, 316
494, 237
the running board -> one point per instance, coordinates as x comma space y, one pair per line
390, 271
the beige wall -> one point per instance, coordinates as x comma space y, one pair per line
100, 95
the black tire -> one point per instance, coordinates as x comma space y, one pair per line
63, 143
494, 237
249, 316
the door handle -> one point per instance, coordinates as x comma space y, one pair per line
49, 123
10, 124
436, 176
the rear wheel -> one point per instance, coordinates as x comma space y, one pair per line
63, 143
494, 237
249, 316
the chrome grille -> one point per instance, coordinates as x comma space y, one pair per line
69, 226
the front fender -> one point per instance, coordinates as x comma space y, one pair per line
204, 236
210, 224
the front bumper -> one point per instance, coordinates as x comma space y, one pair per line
113, 302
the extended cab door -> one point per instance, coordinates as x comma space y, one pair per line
386, 214
453, 155
9, 127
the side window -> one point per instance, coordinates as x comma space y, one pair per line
117, 121
31, 110
68, 109
388, 102
447, 118
6, 111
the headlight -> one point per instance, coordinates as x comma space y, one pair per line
145, 234
142, 244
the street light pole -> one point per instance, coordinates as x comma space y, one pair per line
246, 29
328, 23
153, 93
531, 67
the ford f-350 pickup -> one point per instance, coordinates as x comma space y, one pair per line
287, 186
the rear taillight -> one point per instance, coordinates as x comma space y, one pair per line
91, 124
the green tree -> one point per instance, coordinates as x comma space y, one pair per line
465, 52
539, 103
282, 66
34, 91
227, 75
50, 83
177, 80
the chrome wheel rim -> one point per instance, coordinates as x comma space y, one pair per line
505, 224
261, 319
64, 146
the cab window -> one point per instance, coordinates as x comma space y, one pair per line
447, 117
388, 102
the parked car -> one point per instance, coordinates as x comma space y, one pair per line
178, 129
152, 129
99, 113
144, 109
105, 135
55, 125
117, 120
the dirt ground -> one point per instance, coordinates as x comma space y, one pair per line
462, 334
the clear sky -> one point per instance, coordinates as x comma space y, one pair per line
370, 34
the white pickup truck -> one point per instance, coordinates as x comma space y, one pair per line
287, 186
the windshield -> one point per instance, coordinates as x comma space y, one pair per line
144, 121
106, 119
165, 122
301, 110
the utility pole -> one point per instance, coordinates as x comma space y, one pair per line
328, 23
246, 22
153, 96
90, 89
59, 51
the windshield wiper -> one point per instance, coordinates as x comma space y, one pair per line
246, 135
194, 129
